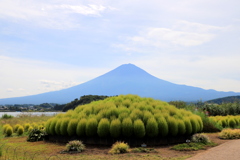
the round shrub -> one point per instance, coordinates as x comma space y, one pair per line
72, 126
103, 128
158, 119
91, 127
64, 126
15, 128
5, 126
172, 126
58, 126
119, 147
200, 138
181, 127
127, 127
194, 123
231, 122
51, 129
115, 128
26, 126
152, 127
81, 127
146, 115
20, 130
188, 126
139, 129
162, 126
75, 145
9, 131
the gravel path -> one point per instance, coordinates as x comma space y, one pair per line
226, 151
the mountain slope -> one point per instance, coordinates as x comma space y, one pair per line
125, 79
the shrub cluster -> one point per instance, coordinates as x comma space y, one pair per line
125, 116
230, 134
75, 145
227, 121
119, 147
200, 138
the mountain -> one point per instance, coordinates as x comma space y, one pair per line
125, 79
230, 99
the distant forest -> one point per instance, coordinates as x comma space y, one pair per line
83, 100
230, 99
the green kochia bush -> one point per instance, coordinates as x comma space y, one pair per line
72, 126
115, 128
64, 126
127, 127
91, 127
139, 129
162, 126
152, 127
126, 116
81, 127
103, 128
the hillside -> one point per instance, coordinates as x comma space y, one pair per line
125, 79
230, 99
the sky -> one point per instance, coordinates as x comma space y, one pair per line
50, 45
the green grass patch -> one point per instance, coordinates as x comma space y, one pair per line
193, 146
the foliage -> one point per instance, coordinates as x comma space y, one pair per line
127, 127
162, 126
230, 134
192, 146
139, 129
223, 109
83, 100
173, 126
143, 150
15, 128
119, 147
9, 131
152, 127
75, 145
81, 127
72, 126
91, 127
20, 130
200, 138
130, 115
226, 121
208, 125
115, 128
64, 126
178, 104
103, 128
6, 116
36, 135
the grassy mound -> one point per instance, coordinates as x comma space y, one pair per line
125, 116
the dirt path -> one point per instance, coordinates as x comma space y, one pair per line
226, 151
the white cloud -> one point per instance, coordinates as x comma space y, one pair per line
181, 35
56, 15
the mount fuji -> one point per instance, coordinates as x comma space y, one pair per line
125, 79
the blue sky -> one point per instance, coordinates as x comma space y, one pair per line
49, 45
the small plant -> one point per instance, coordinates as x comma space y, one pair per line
143, 150
36, 135
75, 146
230, 134
9, 131
200, 138
6, 116
119, 147
20, 130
